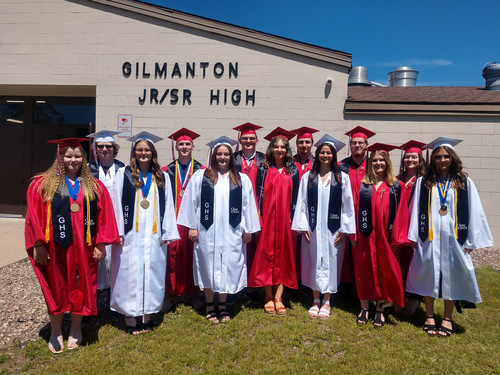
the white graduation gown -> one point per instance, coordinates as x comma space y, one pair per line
321, 260
219, 255
444, 256
103, 269
138, 268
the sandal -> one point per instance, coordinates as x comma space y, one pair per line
133, 330
378, 322
224, 314
56, 344
269, 307
324, 313
444, 331
362, 317
147, 327
430, 329
74, 340
314, 310
211, 316
281, 311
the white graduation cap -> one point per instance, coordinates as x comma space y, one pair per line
153, 138
327, 138
223, 140
443, 141
104, 135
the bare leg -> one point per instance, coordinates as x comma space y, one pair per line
447, 323
280, 308
324, 312
211, 316
269, 306
379, 317
223, 314
314, 310
56, 344
362, 318
429, 315
75, 332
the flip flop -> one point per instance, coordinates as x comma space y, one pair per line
56, 344
74, 340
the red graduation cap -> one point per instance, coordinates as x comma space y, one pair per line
360, 132
304, 132
381, 147
183, 134
412, 146
247, 128
66, 142
279, 132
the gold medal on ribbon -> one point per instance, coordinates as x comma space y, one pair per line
181, 193
145, 203
74, 207
443, 210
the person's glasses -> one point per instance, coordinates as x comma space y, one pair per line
100, 147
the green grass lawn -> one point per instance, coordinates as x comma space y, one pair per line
183, 342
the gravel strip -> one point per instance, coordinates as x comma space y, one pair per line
24, 314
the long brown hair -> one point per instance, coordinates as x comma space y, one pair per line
333, 167
154, 165
371, 177
213, 171
269, 162
458, 176
50, 181
420, 168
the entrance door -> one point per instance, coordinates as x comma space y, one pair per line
26, 123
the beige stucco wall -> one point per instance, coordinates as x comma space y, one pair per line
62, 42
479, 150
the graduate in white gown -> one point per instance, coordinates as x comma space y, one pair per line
446, 224
324, 223
144, 210
219, 208
104, 168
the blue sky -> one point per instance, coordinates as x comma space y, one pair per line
448, 42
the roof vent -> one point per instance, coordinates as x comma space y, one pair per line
358, 76
491, 73
403, 77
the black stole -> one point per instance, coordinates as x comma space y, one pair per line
207, 202
61, 218
259, 159
334, 205
128, 201
462, 214
365, 221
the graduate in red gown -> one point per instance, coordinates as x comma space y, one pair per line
247, 161
69, 222
179, 276
355, 167
376, 269
277, 188
411, 168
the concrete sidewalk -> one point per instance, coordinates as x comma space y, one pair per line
11, 241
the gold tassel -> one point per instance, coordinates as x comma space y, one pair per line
155, 226
89, 235
429, 213
49, 214
455, 213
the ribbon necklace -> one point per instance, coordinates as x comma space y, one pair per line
443, 188
146, 186
73, 191
184, 179
155, 226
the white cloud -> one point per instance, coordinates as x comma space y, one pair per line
414, 63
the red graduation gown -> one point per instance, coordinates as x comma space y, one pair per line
377, 272
63, 287
179, 275
399, 236
274, 261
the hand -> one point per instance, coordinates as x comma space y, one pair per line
121, 241
193, 235
340, 237
41, 254
99, 252
353, 244
467, 251
307, 236
246, 237
165, 242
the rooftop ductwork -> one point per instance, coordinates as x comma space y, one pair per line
358, 76
491, 73
403, 77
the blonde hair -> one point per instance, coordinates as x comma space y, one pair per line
50, 182
371, 177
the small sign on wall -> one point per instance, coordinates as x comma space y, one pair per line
125, 126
